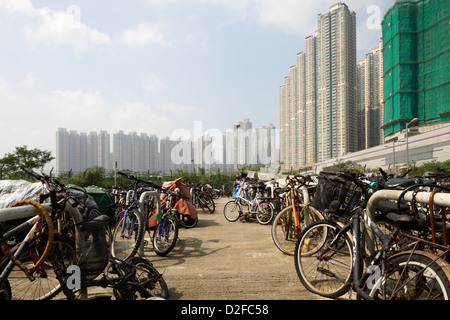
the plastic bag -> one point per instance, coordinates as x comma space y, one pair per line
12, 191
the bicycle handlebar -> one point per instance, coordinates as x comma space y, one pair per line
54, 187
35, 175
300, 179
130, 176
153, 185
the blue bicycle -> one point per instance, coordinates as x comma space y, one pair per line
129, 231
128, 236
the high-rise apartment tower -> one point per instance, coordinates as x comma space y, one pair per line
318, 99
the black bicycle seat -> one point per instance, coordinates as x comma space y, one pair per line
406, 221
401, 183
386, 206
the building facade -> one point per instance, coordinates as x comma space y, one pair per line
416, 64
144, 153
77, 151
136, 152
370, 99
318, 102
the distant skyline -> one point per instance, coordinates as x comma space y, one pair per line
152, 66
140, 152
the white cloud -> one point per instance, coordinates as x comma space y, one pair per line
32, 119
153, 84
55, 28
23, 7
142, 35
30, 80
58, 28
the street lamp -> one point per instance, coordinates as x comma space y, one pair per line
407, 151
235, 147
393, 153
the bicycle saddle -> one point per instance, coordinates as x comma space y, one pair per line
386, 206
405, 221
401, 183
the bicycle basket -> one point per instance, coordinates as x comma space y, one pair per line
336, 194
91, 248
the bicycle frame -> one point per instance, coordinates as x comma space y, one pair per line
295, 189
124, 213
27, 211
242, 195
30, 224
359, 276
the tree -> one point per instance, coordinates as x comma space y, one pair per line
12, 163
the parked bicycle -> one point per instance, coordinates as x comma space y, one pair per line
202, 197
260, 207
77, 242
328, 264
129, 232
298, 213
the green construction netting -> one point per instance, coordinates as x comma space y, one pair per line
416, 63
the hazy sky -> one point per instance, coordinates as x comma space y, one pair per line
152, 65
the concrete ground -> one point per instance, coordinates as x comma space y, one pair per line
221, 260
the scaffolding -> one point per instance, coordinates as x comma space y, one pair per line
416, 63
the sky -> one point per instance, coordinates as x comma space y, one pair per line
152, 66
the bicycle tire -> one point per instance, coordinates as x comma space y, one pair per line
207, 202
431, 283
284, 234
212, 205
150, 283
128, 235
232, 210
186, 221
165, 235
264, 212
325, 275
5, 291
46, 284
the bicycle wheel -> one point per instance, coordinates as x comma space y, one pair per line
165, 235
128, 235
323, 267
264, 212
207, 202
46, 284
186, 221
232, 210
413, 277
150, 283
284, 231
5, 291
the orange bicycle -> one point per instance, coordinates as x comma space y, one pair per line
290, 221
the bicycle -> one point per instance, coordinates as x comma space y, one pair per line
291, 220
259, 207
329, 260
129, 279
165, 232
31, 250
129, 230
202, 197
82, 243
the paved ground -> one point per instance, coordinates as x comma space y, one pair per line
220, 260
